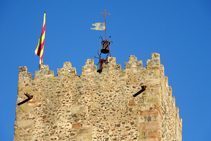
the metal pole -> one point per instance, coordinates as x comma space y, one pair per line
105, 21
105, 24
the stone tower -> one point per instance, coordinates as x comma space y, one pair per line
97, 106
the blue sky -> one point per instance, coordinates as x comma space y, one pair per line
180, 30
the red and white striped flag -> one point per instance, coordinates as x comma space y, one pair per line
40, 46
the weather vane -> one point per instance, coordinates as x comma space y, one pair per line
105, 44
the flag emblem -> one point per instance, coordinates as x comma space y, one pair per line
98, 26
40, 47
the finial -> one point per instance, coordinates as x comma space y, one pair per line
105, 20
104, 48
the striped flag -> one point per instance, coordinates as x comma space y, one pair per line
40, 46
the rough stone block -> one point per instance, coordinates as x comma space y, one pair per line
44, 67
154, 134
162, 70
154, 125
24, 90
152, 100
85, 137
177, 112
155, 56
76, 125
149, 140
112, 60
169, 91
24, 108
152, 81
173, 101
131, 102
156, 107
78, 109
149, 112
23, 69
166, 81
142, 135
95, 105
24, 123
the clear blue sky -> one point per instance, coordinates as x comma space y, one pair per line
180, 30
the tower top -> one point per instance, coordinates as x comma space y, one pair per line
97, 106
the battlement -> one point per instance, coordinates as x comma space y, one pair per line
93, 106
89, 67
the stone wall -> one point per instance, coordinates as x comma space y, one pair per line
97, 106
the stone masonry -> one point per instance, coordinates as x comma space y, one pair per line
97, 106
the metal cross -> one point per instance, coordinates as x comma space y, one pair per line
105, 13
105, 20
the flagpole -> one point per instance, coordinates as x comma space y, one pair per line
105, 25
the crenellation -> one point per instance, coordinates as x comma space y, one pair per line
173, 101
162, 70
66, 70
44, 72
169, 91
44, 67
177, 112
98, 106
166, 82
155, 56
89, 67
154, 62
22, 69
180, 125
23, 74
111, 66
133, 64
